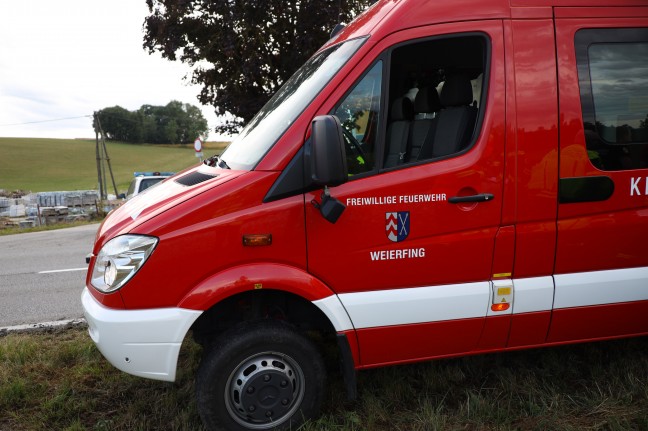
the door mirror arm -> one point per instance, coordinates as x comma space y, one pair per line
330, 208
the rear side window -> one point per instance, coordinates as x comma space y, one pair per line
613, 80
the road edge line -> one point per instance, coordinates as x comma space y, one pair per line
43, 326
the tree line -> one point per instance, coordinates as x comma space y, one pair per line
175, 123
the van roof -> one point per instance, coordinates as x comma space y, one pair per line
387, 16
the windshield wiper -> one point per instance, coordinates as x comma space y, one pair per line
211, 161
215, 161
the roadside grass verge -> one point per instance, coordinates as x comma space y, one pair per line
60, 381
40, 165
64, 225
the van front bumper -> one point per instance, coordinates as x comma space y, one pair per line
144, 343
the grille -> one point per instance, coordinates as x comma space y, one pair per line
194, 178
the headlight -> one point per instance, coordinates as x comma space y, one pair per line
119, 259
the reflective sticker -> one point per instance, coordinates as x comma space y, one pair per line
503, 291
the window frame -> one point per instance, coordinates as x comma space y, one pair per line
487, 52
386, 57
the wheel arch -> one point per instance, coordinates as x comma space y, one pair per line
254, 277
274, 291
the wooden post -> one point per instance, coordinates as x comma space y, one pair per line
103, 142
98, 153
40, 221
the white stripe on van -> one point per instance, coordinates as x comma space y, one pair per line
601, 287
472, 300
417, 305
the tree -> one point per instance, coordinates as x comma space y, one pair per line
119, 124
175, 123
242, 50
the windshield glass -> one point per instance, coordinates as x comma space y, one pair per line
282, 109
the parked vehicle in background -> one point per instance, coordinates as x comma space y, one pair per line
144, 180
440, 179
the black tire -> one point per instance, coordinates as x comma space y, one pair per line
260, 375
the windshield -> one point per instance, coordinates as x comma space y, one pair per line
282, 109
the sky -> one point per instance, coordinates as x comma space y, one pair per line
68, 58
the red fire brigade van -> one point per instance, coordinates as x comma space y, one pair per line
439, 179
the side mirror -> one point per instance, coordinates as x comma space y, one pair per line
328, 163
121, 196
328, 157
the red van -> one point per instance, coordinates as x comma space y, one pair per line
440, 179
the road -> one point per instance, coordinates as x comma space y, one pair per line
42, 274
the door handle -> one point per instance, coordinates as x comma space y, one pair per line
482, 197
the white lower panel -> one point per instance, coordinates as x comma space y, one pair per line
533, 294
144, 343
334, 310
432, 303
417, 305
601, 287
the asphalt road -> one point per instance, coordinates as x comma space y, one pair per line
42, 275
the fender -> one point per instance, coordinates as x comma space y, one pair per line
257, 276
254, 276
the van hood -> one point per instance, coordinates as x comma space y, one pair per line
161, 197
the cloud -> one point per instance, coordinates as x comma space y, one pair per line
72, 57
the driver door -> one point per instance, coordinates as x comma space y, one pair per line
411, 265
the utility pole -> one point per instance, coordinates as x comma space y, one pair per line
95, 124
102, 153
103, 141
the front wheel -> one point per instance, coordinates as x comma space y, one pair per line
259, 375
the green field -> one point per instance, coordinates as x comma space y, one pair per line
41, 165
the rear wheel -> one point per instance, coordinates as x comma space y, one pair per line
259, 375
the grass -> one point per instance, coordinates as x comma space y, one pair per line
41, 165
60, 381
15, 229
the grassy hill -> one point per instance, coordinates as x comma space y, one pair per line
41, 165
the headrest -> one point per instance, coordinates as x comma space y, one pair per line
402, 109
456, 91
427, 101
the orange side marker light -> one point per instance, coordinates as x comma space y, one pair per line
502, 306
257, 240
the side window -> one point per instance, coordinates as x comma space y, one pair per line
131, 188
613, 80
436, 95
359, 114
434, 103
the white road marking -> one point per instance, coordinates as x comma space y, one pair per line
63, 270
